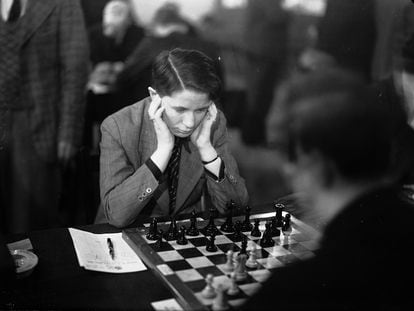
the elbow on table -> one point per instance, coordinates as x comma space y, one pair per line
116, 218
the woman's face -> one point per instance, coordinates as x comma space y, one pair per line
184, 111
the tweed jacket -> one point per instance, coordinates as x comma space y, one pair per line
129, 188
54, 65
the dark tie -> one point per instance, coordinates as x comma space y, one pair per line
14, 11
173, 170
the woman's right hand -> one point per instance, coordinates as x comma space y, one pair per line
165, 139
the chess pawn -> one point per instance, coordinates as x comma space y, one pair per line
233, 289
240, 271
193, 231
256, 231
181, 239
208, 292
153, 230
237, 235
229, 266
252, 262
287, 227
220, 303
211, 247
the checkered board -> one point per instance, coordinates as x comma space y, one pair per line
184, 267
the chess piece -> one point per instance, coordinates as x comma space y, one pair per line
256, 231
240, 271
208, 292
193, 231
287, 227
211, 247
243, 249
159, 243
211, 226
273, 227
252, 262
153, 233
181, 239
229, 266
220, 303
279, 216
267, 240
233, 289
228, 226
246, 225
172, 232
237, 235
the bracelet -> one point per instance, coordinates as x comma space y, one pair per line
211, 161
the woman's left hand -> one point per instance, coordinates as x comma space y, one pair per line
201, 135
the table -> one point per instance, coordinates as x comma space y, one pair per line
58, 282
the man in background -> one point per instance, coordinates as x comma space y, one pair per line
43, 73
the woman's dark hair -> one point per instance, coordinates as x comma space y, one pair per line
180, 69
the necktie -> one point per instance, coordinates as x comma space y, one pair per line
15, 10
173, 170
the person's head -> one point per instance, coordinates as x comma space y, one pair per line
331, 130
116, 17
167, 19
187, 82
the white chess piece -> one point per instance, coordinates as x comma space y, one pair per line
233, 289
220, 303
252, 262
229, 266
240, 271
208, 291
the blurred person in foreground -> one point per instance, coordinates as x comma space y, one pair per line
168, 30
337, 143
43, 75
159, 154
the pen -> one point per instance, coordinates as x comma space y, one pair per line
111, 248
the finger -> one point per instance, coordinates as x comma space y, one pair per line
213, 111
155, 104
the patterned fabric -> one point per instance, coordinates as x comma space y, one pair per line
173, 171
10, 79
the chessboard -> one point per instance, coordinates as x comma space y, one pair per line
186, 263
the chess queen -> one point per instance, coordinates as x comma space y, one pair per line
159, 154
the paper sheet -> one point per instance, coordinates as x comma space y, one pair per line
93, 252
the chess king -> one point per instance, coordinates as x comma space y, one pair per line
336, 142
159, 154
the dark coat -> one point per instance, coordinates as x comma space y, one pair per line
363, 262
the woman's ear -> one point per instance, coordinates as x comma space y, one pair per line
153, 93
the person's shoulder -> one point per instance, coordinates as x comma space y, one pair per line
128, 116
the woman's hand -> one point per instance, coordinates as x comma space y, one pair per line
165, 139
201, 135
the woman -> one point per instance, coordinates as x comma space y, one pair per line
179, 123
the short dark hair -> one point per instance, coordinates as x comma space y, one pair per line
181, 69
335, 113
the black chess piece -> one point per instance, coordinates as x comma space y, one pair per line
246, 225
211, 228
237, 235
172, 232
159, 243
256, 231
273, 227
211, 246
279, 216
243, 249
228, 226
181, 239
287, 227
266, 240
153, 233
193, 230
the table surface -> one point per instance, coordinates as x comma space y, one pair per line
58, 282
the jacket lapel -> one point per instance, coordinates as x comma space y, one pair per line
36, 14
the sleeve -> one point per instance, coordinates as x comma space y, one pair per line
125, 191
231, 186
74, 62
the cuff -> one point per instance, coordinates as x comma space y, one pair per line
154, 169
